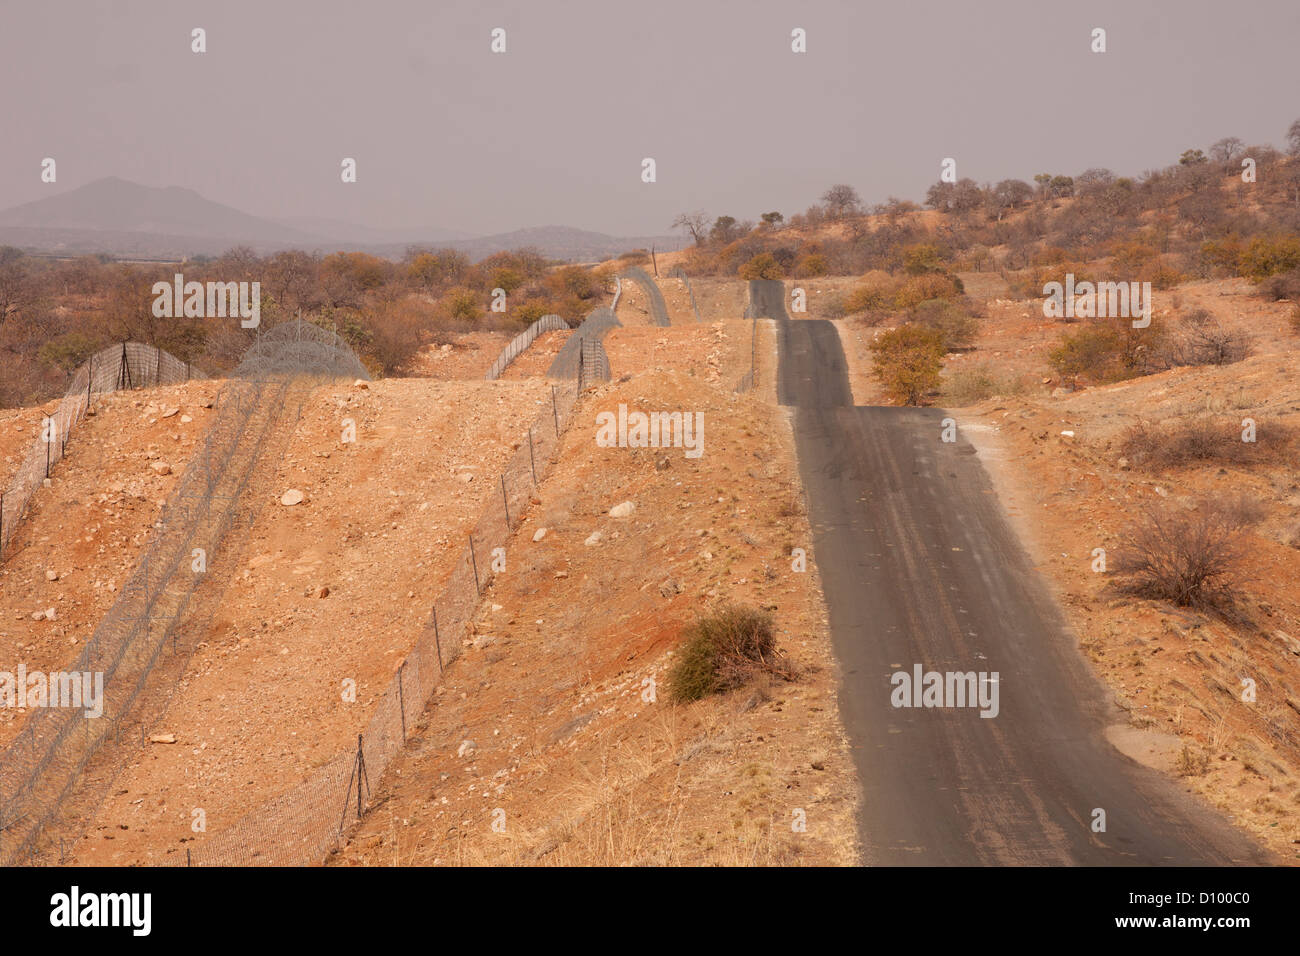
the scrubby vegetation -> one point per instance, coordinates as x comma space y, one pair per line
1188, 557
724, 651
53, 314
1205, 439
908, 361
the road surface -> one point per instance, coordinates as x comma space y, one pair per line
920, 566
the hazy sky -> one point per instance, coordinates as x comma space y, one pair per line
447, 134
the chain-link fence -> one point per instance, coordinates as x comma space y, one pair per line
129, 365
43, 766
677, 272
658, 308
568, 361
547, 323
304, 824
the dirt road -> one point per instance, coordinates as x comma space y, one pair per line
920, 567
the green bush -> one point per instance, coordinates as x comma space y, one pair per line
908, 361
724, 651
957, 327
762, 266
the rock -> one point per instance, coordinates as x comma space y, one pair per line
624, 510
162, 739
593, 539
291, 497
51, 575
465, 476
1067, 434
185, 419
38, 615
446, 347
662, 463
466, 748
323, 593
170, 412
1123, 464
539, 534
160, 468
361, 383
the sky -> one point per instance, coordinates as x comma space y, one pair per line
448, 134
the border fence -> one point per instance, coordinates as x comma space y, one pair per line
304, 824
547, 323
112, 369
677, 272
568, 361
658, 308
43, 766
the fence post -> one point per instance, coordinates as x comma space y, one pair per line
90, 377
555, 412
504, 500
2, 523
531, 460
361, 774
48, 423
474, 561
437, 641
401, 698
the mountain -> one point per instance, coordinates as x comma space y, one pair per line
565, 242
126, 219
341, 231
116, 205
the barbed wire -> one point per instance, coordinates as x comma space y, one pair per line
42, 767
115, 368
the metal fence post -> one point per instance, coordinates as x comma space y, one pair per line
437, 641
474, 561
505, 501
555, 412
401, 698
531, 460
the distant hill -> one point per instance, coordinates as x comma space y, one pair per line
123, 218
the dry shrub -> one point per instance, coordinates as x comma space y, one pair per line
724, 651
1202, 339
1189, 558
967, 386
1192, 762
1202, 439
908, 361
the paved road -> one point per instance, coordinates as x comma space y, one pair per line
920, 566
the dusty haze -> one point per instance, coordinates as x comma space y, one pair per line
448, 135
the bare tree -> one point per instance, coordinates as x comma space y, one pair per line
695, 223
841, 200
1293, 138
1226, 150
